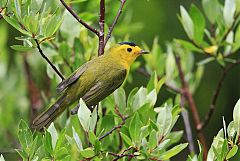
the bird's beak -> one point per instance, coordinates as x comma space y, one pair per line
144, 52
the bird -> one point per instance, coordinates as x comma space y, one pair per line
93, 81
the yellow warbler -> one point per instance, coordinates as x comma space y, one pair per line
93, 81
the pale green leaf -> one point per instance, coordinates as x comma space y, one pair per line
173, 151
164, 120
236, 115
187, 22
211, 9
232, 152
135, 128
52, 130
21, 48
87, 153
228, 12
84, 115
77, 139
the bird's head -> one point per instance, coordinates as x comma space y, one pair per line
127, 52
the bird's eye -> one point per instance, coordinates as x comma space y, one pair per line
129, 49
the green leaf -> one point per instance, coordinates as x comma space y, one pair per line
152, 141
54, 135
92, 137
228, 12
17, 9
139, 99
236, 115
188, 45
47, 141
77, 139
187, 22
25, 136
232, 152
87, 153
135, 128
93, 119
126, 139
16, 25
175, 136
164, 120
211, 9
170, 64
173, 151
84, 115
21, 48
120, 99
60, 139
199, 23
61, 153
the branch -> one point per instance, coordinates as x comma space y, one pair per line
115, 21
188, 96
48, 61
119, 156
123, 117
187, 126
101, 26
79, 19
216, 94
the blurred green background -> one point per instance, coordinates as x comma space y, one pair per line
153, 18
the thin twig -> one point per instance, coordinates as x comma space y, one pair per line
187, 126
123, 117
188, 95
101, 26
79, 19
119, 156
216, 94
115, 21
48, 61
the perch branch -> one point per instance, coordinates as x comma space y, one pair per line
101, 26
79, 19
188, 96
48, 61
216, 94
123, 117
115, 21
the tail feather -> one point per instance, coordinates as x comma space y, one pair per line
48, 116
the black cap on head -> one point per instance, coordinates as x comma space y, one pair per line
127, 43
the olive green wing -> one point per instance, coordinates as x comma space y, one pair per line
104, 88
72, 78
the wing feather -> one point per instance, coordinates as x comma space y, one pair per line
73, 78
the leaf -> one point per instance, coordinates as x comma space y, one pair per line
47, 141
16, 25
164, 120
151, 98
236, 115
228, 12
135, 128
152, 141
126, 139
187, 22
25, 136
188, 45
87, 153
211, 9
2, 158
21, 48
17, 8
84, 115
152, 82
54, 135
139, 99
170, 64
173, 151
60, 139
93, 120
199, 23
77, 139
120, 99
61, 153
175, 136
92, 137
232, 152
